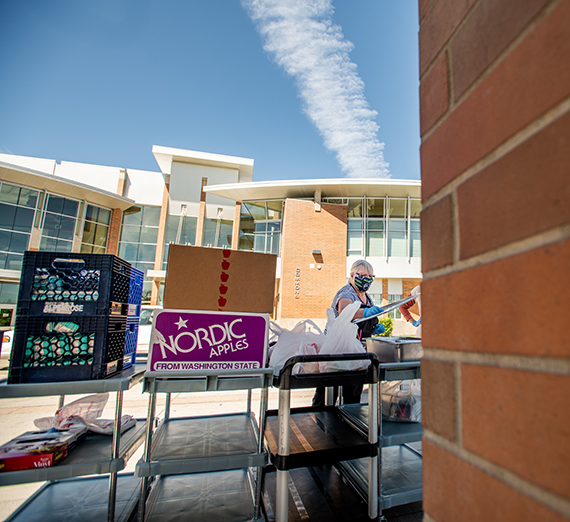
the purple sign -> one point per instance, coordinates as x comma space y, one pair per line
186, 340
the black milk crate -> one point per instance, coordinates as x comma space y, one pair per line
131, 338
73, 284
135, 292
56, 348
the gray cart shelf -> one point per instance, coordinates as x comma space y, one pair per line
82, 500
209, 465
97, 454
400, 462
302, 437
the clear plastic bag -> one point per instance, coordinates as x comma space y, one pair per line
402, 401
84, 412
298, 341
341, 339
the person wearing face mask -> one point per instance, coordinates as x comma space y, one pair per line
361, 278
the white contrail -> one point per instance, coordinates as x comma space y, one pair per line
301, 37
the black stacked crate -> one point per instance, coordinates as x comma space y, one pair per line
71, 317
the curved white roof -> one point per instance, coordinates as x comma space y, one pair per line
329, 188
64, 187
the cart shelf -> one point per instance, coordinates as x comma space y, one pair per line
91, 456
401, 476
120, 382
80, 500
316, 438
203, 465
223, 496
200, 444
393, 433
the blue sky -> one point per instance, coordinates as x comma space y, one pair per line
102, 81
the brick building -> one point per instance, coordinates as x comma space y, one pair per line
317, 228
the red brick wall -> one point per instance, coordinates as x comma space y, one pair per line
114, 231
305, 230
495, 124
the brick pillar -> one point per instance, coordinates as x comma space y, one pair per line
495, 124
307, 290
154, 293
114, 231
201, 214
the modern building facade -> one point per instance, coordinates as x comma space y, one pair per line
317, 228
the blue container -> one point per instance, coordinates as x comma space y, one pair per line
131, 338
135, 292
57, 348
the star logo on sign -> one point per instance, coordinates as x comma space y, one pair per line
181, 323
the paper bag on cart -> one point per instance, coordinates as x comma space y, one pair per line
341, 339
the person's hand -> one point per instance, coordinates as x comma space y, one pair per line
373, 310
378, 329
418, 322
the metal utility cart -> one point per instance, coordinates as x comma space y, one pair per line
88, 499
209, 466
303, 437
400, 462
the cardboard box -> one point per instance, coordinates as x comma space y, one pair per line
39, 449
221, 280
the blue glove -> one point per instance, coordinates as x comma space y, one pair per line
378, 329
373, 310
418, 322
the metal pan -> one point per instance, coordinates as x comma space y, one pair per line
395, 349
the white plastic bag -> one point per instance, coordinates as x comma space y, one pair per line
84, 412
402, 401
298, 341
341, 339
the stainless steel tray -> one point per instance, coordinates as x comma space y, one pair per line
395, 349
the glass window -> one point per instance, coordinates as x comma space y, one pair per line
19, 242
9, 293
139, 234
376, 298
376, 208
54, 204
375, 237
217, 233
59, 224
7, 215
397, 236
24, 219
354, 208
149, 234
415, 208
130, 234
133, 216
95, 229
355, 241
260, 226
394, 314
151, 216
398, 208
256, 209
9, 193
275, 209
17, 209
28, 198
415, 239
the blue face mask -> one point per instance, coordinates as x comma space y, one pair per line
363, 283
